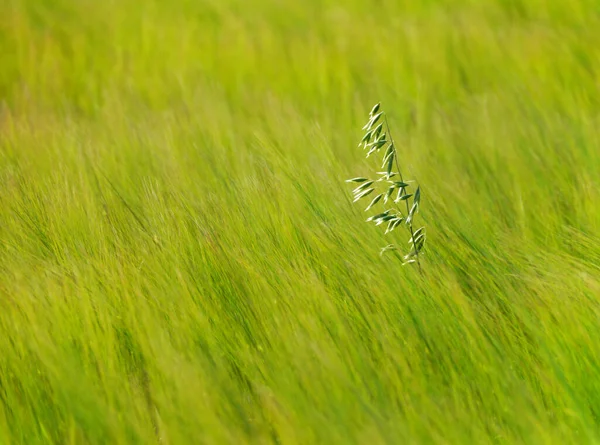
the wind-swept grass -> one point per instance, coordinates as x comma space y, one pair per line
180, 260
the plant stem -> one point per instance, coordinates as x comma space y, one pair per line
410, 225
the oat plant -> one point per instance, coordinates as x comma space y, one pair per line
392, 191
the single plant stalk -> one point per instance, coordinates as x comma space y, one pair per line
410, 225
378, 137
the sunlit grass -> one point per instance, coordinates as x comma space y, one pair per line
180, 260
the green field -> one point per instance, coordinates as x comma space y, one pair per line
181, 261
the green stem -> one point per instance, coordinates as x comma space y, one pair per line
410, 225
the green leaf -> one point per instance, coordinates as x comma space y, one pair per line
375, 109
366, 138
363, 194
418, 195
404, 197
388, 194
376, 117
389, 159
411, 213
378, 142
372, 121
380, 215
385, 219
415, 208
381, 141
400, 184
416, 247
390, 163
419, 231
375, 201
411, 254
376, 145
357, 180
362, 187
388, 248
388, 152
393, 224
377, 130
387, 155
417, 238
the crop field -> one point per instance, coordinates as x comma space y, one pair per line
181, 261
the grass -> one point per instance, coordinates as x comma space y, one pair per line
180, 261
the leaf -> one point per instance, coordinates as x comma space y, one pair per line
375, 109
418, 195
376, 145
388, 194
362, 187
372, 121
409, 262
389, 227
404, 197
414, 209
388, 152
397, 223
371, 151
381, 141
419, 231
388, 248
400, 184
380, 215
386, 157
416, 247
357, 180
366, 138
393, 224
363, 194
419, 243
411, 254
418, 239
375, 201
385, 219
390, 163
376, 117
378, 142
378, 129
411, 213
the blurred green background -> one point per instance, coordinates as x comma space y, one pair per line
180, 261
